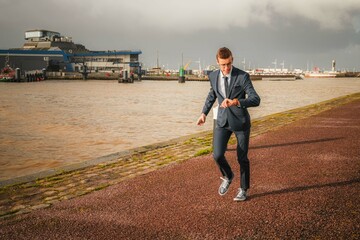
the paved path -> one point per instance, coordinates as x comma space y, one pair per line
305, 185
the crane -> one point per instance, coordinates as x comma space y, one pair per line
188, 64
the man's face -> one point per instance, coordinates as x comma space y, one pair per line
225, 65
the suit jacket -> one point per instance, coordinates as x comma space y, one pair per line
240, 87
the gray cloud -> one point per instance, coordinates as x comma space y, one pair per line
259, 30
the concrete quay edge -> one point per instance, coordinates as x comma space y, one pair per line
23, 195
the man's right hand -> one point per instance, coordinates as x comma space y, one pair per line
201, 120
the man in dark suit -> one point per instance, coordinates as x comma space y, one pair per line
235, 93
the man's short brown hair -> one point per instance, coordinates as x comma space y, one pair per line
223, 53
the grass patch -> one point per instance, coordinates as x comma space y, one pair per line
163, 163
55, 178
8, 213
101, 187
189, 141
204, 151
30, 185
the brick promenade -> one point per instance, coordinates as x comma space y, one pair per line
305, 184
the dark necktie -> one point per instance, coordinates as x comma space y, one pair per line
226, 86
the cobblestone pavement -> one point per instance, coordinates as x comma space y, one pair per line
41, 193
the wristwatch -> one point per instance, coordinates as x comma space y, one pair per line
237, 101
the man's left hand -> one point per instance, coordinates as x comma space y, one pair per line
228, 103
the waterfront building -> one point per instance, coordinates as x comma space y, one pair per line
49, 50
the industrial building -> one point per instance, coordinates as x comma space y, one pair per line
44, 49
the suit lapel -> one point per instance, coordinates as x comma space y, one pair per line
232, 81
216, 83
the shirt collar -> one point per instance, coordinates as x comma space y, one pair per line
228, 75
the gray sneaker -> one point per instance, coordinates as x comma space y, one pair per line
224, 186
241, 196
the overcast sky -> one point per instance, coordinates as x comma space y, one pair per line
302, 33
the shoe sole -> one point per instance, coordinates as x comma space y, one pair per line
225, 191
239, 200
227, 188
222, 194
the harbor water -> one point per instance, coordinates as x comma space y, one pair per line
49, 124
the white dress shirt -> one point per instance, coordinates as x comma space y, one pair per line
222, 84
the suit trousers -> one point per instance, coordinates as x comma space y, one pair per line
221, 139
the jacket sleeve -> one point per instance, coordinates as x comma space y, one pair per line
252, 99
211, 98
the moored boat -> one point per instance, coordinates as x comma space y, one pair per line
7, 74
324, 74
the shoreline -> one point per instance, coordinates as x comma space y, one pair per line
115, 76
113, 157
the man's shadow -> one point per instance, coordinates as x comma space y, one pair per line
305, 188
297, 143
300, 188
233, 148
